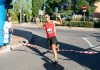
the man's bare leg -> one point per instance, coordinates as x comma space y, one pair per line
55, 52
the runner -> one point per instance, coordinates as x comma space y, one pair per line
51, 34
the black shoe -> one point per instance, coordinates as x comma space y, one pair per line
56, 62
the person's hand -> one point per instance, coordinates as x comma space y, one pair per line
58, 15
12, 30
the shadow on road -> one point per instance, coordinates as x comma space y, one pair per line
22, 33
48, 62
49, 65
85, 60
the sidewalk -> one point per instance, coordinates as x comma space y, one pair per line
18, 39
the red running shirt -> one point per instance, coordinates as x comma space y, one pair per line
50, 29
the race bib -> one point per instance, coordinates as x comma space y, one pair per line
49, 30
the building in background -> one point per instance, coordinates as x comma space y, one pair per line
97, 11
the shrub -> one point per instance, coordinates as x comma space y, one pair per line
97, 24
78, 23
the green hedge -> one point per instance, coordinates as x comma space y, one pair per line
78, 23
97, 24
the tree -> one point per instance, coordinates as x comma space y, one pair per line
64, 7
23, 6
36, 6
8, 4
91, 3
88, 3
52, 7
78, 7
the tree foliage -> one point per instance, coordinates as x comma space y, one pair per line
65, 7
74, 6
88, 3
51, 5
36, 6
80, 4
23, 6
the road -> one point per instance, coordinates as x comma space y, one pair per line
29, 58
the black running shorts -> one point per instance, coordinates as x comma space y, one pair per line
51, 41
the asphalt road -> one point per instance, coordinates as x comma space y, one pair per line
29, 58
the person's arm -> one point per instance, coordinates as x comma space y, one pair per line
60, 20
11, 24
12, 27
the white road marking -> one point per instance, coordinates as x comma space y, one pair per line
96, 46
90, 44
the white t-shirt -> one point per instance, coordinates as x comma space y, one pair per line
7, 25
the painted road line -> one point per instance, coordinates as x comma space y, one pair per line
96, 46
90, 44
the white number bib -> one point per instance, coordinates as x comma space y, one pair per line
49, 30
